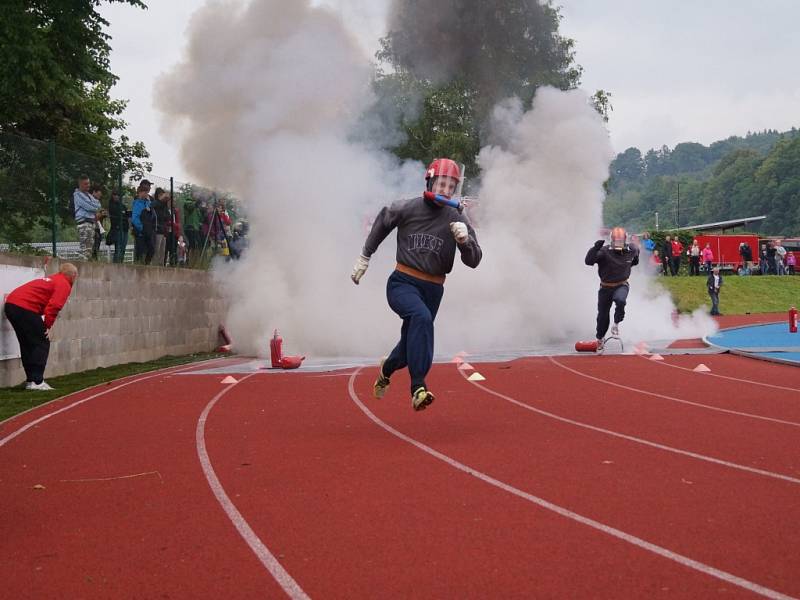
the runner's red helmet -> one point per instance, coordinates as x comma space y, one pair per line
619, 238
442, 167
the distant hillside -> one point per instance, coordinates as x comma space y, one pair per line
693, 183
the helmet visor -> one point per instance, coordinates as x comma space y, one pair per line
446, 177
618, 238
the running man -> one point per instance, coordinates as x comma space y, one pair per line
428, 233
614, 264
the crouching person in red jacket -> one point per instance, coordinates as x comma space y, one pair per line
25, 307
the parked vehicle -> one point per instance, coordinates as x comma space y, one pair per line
726, 249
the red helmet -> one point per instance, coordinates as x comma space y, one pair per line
619, 238
443, 167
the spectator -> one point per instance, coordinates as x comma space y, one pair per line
791, 261
708, 257
780, 257
161, 209
182, 251
25, 307
762, 260
191, 227
714, 283
666, 256
772, 266
143, 220
219, 225
694, 258
173, 233
99, 230
238, 241
648, 244
655, 261
86, 207
747, 258
120, 223
677, 251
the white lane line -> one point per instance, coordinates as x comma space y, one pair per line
673, 399
626, 537
289, 585
712, 374
24, 428
631, 438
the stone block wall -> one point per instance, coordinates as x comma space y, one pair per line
121, 313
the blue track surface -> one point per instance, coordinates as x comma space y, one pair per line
766, 341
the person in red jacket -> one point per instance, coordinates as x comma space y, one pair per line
32, 309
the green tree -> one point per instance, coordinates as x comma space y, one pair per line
55, 81
732, 190
55, 85
779, 181
627, 167
450, 61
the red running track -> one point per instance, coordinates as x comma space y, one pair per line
602, 477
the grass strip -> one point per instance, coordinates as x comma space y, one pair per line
14, 400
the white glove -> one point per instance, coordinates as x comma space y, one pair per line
459, 231
359, 268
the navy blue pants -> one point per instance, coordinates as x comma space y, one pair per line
605, 297
416, 302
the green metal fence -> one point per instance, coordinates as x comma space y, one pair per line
37, 182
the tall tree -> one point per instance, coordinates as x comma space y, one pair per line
455, 59
55, 80
779, 180
55, 84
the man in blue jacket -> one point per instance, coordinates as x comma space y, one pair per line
143, 220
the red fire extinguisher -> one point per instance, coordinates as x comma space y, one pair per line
275, 350
793, 320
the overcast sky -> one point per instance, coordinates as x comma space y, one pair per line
677, 71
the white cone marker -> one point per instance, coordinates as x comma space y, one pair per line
656, 357
701, 368
476, 377
229, 379
465, 366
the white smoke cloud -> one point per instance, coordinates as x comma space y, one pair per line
267, 107
540, 211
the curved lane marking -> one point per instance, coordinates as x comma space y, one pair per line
631, 438
712, 374
289, 585
137, 378
672, 398
559, 510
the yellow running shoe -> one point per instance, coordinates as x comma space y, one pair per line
421, 399
381, 383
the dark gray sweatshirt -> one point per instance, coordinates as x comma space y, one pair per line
424, 239
612, 266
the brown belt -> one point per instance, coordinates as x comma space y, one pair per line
419, 274
612, 283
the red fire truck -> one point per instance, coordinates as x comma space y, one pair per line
726, 249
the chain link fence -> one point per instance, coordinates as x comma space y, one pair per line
37, 183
